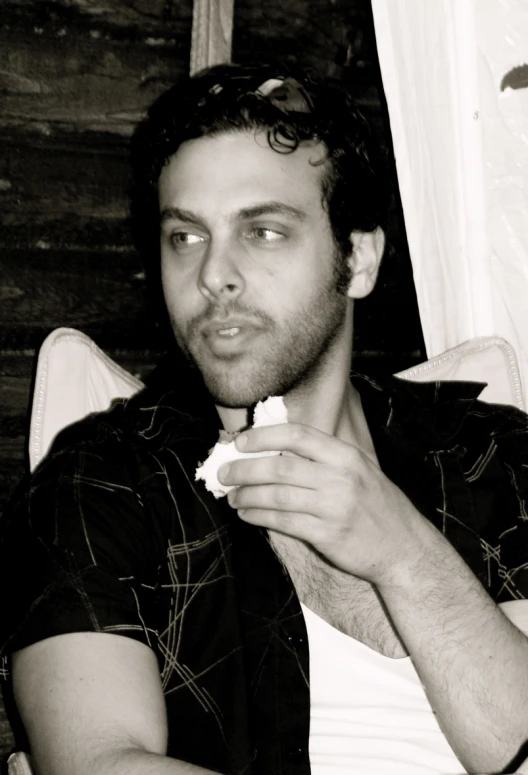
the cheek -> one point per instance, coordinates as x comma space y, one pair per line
176, 291
184, 301
169, 285
176, 282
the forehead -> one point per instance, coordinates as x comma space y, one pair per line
221, 174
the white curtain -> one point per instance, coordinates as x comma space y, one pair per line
455, 74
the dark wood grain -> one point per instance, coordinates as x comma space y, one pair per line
45, 288
88, 66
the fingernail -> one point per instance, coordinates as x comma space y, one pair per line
223, 472
241, 441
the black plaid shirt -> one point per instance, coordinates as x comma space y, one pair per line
119, 538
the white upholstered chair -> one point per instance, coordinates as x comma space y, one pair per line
74, 377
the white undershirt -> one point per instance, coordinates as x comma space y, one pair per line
369, 713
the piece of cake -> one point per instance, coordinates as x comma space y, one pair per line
272, 411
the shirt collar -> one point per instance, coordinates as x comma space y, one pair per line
432, 412
429, 412
175, 402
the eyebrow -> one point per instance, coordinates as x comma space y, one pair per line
245, 214
270, 208
177, 214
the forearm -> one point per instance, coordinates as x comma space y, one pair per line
472, 661
133, 761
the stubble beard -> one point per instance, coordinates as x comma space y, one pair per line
285, 357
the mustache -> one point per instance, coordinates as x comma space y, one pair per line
224, 312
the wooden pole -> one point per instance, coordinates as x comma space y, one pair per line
212, 32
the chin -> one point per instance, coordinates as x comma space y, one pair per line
235, 383
235, 389
235, 396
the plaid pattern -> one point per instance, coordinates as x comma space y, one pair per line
119, 538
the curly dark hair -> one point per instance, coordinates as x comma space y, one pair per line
294, 107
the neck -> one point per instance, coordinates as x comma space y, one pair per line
333, 406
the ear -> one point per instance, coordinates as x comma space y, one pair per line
364, 260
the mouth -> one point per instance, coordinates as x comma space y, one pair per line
230, 340
228, 327
229, 332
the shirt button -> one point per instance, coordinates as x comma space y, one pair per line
295, 640
295, 754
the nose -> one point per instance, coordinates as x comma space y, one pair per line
220, 276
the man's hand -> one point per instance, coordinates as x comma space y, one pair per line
330, 494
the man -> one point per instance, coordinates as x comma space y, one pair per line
160, 630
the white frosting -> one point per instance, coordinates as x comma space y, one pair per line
272, 411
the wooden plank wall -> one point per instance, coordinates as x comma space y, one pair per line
75, 76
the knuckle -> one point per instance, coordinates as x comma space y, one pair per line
283, 466
281, 496
297, 433
284, 521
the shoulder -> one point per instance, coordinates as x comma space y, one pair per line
440, 411
102, 511
168, 414
497, 432
131, 465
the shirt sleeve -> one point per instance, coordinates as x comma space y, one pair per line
505, 542
77, 552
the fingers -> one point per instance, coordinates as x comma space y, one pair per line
300, 439
302, 526
276, 469
275, 497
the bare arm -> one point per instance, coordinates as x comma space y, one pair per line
471, 659
92, 704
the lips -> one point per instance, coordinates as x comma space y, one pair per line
230, 335
229, 327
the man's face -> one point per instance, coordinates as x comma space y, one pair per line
248, 265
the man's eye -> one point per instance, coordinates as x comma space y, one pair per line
182, 240
263, 234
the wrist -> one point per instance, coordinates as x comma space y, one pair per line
422, 556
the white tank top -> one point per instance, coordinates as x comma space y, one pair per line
368, 713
